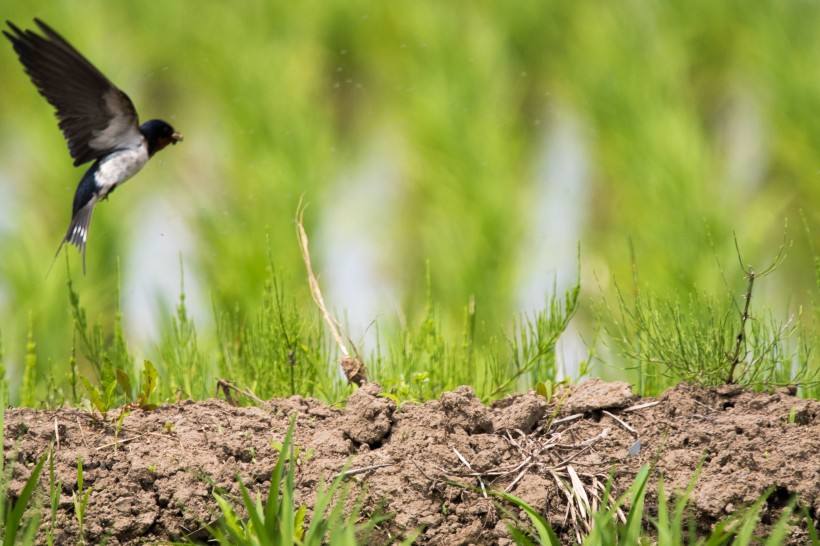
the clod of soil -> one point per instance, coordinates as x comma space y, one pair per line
152, 481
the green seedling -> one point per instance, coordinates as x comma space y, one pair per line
101, 399
80, 499
149, 384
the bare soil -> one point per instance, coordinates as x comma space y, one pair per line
152, 482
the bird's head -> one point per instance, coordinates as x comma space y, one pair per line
159, 134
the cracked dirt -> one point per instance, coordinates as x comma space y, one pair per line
151, 482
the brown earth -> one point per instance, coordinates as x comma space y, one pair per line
148, 483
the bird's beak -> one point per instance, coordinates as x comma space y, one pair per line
176, 137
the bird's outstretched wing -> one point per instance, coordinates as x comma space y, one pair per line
94, 115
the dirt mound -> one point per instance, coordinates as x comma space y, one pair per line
151, 482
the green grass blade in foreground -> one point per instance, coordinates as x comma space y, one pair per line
275, 511
230, 529
781, 529
605, 528
263, 530
739, 526
813, 535
632, 530
670, 532
748, 521
545, 533
667, 534
16, 532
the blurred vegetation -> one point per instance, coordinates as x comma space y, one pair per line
419, 130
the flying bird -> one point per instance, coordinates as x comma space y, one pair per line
97, 119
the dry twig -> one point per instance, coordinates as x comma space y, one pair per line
641, 406
226, 387
362, 470
623, 424
467, 464
352, 365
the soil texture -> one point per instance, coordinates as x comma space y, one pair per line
153, 481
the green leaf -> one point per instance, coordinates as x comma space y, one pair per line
633, 520
813, 535
519, 536
95, 395
109, 393
299, 523
107, 375
125, 383
149, 381
748, 522
781, 529
545, 533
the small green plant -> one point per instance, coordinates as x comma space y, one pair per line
813, 534
101, 398
17, 529
708, 341
533, 341
105, 356
80, 499
150, 378
186, 369
277, 352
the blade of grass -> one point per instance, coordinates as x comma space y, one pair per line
14, 517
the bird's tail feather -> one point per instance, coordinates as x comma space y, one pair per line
77, 233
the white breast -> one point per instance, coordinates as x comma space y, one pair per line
119, 167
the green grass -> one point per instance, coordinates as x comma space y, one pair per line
80, 499
281, 349
284, 350
712, 340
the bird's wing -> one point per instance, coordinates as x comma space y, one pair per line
94, 115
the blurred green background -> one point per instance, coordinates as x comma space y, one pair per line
486, 139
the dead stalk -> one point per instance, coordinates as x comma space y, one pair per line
736, 358
352, 365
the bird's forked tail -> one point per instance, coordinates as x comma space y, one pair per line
77, 233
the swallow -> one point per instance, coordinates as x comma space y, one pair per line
98, 121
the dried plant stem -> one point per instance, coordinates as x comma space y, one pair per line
352, 365
741, 336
